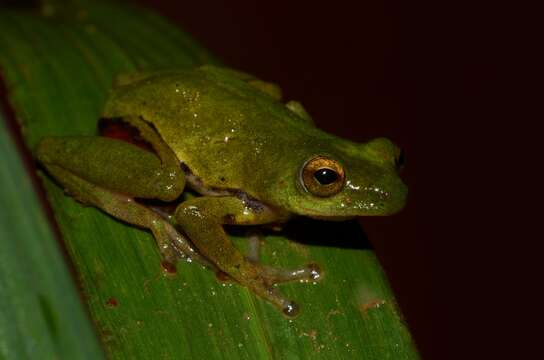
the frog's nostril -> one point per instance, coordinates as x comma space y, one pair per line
400, 160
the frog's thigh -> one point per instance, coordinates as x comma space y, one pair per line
104, 173
115, 165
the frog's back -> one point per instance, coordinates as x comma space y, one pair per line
221, 127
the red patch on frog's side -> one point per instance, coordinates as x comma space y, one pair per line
118, 129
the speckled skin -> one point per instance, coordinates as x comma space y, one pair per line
242, 148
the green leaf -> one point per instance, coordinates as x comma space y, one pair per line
40, 313
58, 69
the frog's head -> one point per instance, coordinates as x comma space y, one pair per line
348, 180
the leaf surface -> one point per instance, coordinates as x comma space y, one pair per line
40, 313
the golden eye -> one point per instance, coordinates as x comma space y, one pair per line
322, 176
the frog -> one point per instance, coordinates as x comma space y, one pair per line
249, 157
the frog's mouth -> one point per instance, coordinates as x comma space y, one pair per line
372, 206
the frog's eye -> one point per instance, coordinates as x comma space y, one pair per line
322, 176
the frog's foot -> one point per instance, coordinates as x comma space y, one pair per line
288, 307
310, 272
263, 281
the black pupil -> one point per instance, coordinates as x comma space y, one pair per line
325, 176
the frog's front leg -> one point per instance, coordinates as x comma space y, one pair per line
202, 219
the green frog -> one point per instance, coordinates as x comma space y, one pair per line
251, 158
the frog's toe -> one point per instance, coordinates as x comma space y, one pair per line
288, 307
291, 309
170, 255
310, 272
265, 285
254, 246
169, 266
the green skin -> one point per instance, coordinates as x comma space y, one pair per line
241, 148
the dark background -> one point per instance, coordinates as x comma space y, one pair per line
360, 69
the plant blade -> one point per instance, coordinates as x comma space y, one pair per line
40, 313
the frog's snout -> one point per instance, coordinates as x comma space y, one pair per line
386, 196
397, 199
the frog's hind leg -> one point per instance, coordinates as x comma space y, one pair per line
171, 244
109, 174
203, 218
